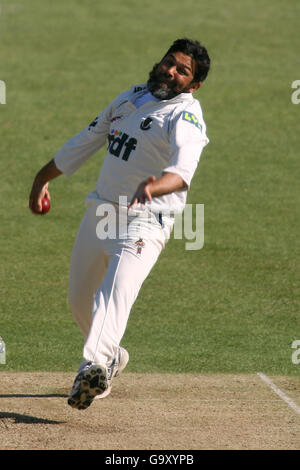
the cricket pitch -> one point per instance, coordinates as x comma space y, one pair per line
149, 411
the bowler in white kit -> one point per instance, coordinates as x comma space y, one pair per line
155, 134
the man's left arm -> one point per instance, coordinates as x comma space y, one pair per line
187, 140
151, 187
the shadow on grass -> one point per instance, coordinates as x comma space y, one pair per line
19, 418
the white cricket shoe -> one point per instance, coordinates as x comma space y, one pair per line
92, 380
114, 369
95, 380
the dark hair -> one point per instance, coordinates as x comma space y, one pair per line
197, 52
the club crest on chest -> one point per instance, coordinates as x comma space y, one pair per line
146, 123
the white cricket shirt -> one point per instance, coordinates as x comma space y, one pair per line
144, 140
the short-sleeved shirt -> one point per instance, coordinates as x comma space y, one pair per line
144, 137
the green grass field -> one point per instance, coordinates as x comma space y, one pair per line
232, 306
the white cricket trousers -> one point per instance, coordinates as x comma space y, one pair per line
106, 274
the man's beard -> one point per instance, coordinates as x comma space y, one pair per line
160, 86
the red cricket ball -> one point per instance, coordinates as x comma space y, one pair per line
45, 205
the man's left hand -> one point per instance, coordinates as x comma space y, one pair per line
142, 193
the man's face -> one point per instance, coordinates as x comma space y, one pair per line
172, 76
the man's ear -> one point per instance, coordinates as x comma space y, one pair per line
195, 86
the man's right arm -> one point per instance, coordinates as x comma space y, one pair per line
69, 158
73, 154
40, 186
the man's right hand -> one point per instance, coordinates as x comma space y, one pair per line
38, 192
40, 186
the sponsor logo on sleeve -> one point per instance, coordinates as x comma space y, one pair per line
139, 88
191, 118
94, 123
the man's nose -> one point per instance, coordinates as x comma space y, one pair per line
171, 71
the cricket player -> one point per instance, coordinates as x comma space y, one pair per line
154, 134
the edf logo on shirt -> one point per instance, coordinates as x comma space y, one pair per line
120, 142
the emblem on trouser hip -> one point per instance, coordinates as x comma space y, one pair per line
140, 244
